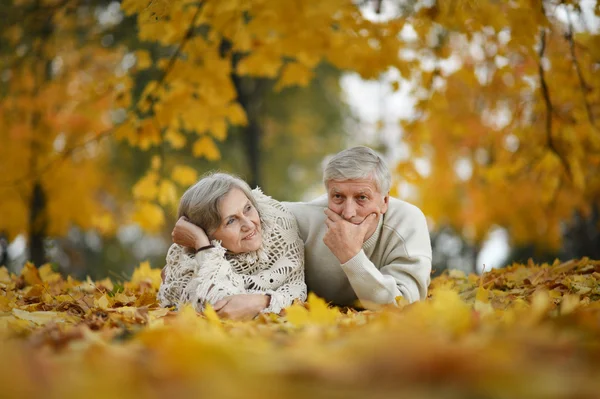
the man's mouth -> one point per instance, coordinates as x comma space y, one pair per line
250, 236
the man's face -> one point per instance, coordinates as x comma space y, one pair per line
354, 200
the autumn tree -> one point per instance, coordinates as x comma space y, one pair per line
507, 118
220, 48
59, 86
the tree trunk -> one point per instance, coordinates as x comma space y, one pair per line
38, 224
3, 250
250, 92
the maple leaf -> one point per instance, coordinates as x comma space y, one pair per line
144, 274
318, 313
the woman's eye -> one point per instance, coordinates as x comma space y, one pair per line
248, 208
229, 221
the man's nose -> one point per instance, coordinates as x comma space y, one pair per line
349, 210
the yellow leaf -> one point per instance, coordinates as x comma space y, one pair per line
149, 216
297, 315
482, 301
211, 315
184, 175
40, 318
167, 193
260, 64
155, 162
294, 74
4, 275
30, 274
176, 139
104, 223
48, 275
319, 313
145, 274
102, 302
205, 147
147, 187
143, 59
218, 129
236, 115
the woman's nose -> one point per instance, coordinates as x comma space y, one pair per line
246, 224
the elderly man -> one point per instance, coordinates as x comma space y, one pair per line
359, 242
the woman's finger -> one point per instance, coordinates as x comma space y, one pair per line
220, 304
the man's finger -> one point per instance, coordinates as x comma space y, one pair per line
332, 215
329, 222
366, 223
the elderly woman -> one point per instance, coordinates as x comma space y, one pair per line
234, 248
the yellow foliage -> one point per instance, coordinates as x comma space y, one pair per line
147, 187
143, 59
144, 274
205, 147
167, 194
149, 216
50, 123
294, 74
184, 175
87, 338
318, 313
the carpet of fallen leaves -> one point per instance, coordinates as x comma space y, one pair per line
527, 331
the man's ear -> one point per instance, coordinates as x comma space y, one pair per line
386, 202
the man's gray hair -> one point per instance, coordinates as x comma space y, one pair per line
200, 203
359, 163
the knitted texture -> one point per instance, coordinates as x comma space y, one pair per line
276, 268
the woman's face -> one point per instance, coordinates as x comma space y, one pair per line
240, 229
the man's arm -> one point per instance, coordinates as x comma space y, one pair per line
406, 277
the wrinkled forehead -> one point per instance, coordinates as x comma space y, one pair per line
232, 202
352, 186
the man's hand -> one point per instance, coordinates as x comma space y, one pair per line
242, 306
189, 235
343, 238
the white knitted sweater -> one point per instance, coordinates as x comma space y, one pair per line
277, 268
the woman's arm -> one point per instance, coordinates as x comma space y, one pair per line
198, 279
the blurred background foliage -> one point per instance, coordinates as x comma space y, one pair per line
109, 110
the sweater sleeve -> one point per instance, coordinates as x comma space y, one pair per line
405, 273
204, 278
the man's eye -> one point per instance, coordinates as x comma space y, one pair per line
363, 198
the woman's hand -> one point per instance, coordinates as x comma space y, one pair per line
241, 306
189, 235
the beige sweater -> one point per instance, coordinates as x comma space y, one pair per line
395, 260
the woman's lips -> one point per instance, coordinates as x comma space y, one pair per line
250, 236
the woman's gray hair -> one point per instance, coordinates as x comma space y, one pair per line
200, 203
359, 163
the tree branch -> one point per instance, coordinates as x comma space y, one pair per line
582, 84
548, 102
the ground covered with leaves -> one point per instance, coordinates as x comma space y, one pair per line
527, 331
